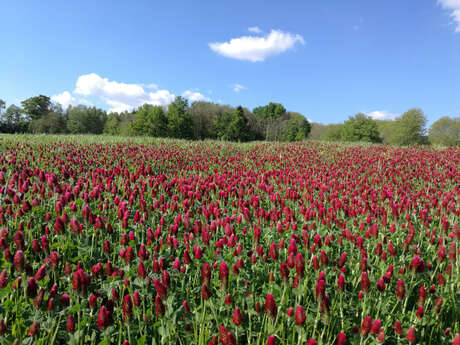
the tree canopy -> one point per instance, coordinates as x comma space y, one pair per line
445, 131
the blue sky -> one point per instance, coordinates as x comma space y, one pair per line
325, 59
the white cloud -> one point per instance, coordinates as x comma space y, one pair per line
255, 29
121, 96
257, 48
381, 115
64, 98
454, 6
238, 87
118, 96
195, 96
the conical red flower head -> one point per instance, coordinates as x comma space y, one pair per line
32, 287
400, 289
103, 318
205, 274
159, 307
70, 324
34, 329
141, 271
186, 306
273, 251
224, 271
421, 295
136, 298
237, 317
456, 339
19, 261
438, 304
270, 306
228, 299
365, 282
161, 289
64, 300
397, 328
341, 339
284, 272
166, 278
205, 293
410, 336
299, 264
80, 281
342, 259
3, 279
366, 326
127, 307
324, 258
320, 289
381, 285
341, 283
311, 341
41, 273
300, 316
19, 240
271, 340
376, 326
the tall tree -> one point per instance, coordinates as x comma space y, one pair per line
180, 124
151, 121
294, 127
37, 107
409, 128
13, 120
333, 132
88, 120
360, 128
269, 114
445, 131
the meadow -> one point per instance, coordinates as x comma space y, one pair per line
122, 240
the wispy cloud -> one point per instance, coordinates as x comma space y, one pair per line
382, 115
257, 48
454, 6
239, 87
255, 30
195, 96
64, 98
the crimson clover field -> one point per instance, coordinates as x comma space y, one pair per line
137, 241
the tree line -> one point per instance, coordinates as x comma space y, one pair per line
199, 120
205, 120
407, 129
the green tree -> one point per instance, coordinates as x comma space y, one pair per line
151, 121
409, 128
385, 128
180, 124
445, 131
13, 120
333, 132
360, 128
269, 116
112, 125
237, 128
51, 123
295, 127
37, 107
203, 115
83, 119
317, 131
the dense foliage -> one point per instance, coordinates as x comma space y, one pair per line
179, 242
205, 120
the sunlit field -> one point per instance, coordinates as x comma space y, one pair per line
121, 240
